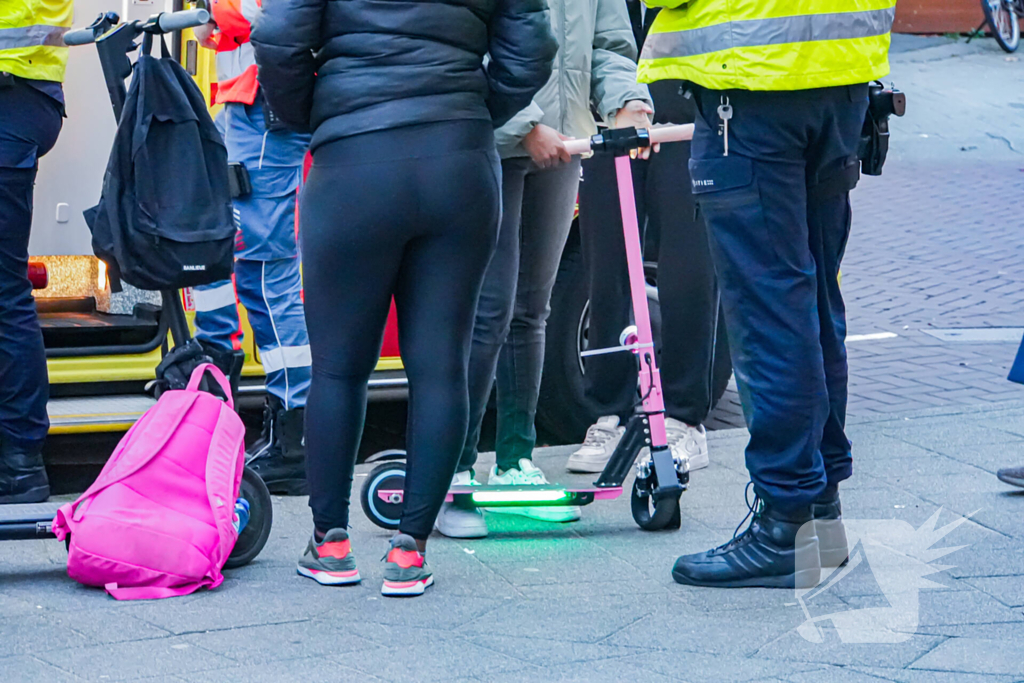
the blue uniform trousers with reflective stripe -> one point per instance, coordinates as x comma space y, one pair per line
29, 124
778, 216
267, 275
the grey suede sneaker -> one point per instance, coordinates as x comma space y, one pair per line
405, 569
329, 562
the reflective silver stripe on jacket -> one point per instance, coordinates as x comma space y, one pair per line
233, 63
756, 32
32, 36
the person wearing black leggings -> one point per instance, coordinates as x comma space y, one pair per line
403, 200
429, 224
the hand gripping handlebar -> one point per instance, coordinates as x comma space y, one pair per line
620, 140
165, 22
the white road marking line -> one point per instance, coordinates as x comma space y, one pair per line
874, 336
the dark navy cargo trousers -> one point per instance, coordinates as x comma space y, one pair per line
778, 215
29, 124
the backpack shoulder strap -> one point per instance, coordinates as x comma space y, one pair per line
224, 464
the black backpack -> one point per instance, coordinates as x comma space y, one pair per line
164, 220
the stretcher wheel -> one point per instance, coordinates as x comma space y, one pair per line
666, 513
384, 510
261, 517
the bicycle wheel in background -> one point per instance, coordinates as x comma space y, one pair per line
1004, 23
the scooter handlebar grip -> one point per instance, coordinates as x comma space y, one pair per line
179, 21
82, 36
658, 135
577, 146
674, 133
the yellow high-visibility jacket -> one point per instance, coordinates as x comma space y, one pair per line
768, 44
32, 38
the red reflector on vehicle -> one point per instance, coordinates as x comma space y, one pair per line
37, 275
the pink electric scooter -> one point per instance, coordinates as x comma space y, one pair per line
660, 479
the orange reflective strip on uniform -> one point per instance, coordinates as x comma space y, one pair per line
241, 89
236, 60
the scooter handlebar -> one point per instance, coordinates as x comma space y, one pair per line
179, 21
658, 135
82, 36
165, 22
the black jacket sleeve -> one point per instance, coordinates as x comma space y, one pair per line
522, 50
284, 37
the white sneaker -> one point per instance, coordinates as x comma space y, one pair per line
602, 439
458, 522
688, 442
529, 474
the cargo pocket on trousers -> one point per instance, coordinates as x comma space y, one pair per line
727, 196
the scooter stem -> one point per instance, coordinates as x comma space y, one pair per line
650, 379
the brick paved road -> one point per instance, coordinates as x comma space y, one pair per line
937, 240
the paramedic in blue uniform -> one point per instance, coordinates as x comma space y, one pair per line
267, 275
32, 60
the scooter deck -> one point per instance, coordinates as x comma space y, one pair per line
550, 495
20, 522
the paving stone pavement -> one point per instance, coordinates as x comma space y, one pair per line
936, 240
591, 601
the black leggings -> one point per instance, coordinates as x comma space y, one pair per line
411, 213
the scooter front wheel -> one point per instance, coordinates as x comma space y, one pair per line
665, 513
382, 493
261, 517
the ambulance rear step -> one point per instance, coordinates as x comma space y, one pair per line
96, 413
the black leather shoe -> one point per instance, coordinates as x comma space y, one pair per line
773, 552
22, 476
279, 455
833, 548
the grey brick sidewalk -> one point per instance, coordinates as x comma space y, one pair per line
934, 246
591, 601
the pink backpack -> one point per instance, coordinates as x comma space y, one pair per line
158, 520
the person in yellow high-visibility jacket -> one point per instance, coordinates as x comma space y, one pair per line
32, 59
781, 88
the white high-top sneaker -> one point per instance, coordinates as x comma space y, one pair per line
602, 439
457, 522
687, 441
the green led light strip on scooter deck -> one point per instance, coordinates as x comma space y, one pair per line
542, 496
515, 496
519, 496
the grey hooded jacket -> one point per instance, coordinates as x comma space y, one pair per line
595, 65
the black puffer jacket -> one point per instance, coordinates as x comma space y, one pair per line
343, 67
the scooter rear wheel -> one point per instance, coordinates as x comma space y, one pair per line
388, 476
261, 517
665, 515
